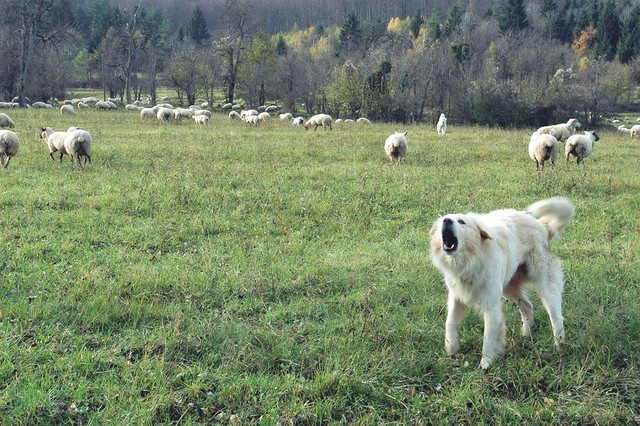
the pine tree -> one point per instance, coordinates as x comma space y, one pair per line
512, 16
416, 23
350, 31
629, 44
281, 47
608, 28
197, 28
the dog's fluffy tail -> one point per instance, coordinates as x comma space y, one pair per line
554, 213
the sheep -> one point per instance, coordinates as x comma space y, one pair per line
67, 109
252, 119
112, 104
264, 116
272, 108
201, 119
323, 120
338, 121
248, 112
286, 116
55, 141
9, 144
132, 107
297, 122
203, 112
147, 113
8, 105
396, 146
441, 127
363, 120
635, 130
82, 105
77, 143
226, 106
164, 114
623, 129
183, 114
233, 115
42, 105
103, 105
560, 131
6, 121
348, 120
543, 147
580, 146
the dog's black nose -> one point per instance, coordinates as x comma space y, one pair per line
447, 221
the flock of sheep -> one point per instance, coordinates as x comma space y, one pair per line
544, 143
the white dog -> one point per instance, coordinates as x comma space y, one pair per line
441, 127
486, 256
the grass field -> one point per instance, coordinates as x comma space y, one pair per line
237, 275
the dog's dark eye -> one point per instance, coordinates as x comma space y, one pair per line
461, 222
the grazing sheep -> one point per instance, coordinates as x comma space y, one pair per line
233, 115
348, 120
363, 120
9, 145
264, 116
202, 112
623, 129
580, 146
560, 131
249, 112
338, 121
298, 121
441, 127
634, 131
103, 105
201, 119
543, 147
67, 109
286, 116
42, 105
164, 114
183, 114
6, 121
148, 113
272, 108
8, 105
82, 105
132, 107
55, 141
323, 120
396, 146
77, 143
227, 106
252, 119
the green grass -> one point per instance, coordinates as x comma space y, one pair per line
202, 275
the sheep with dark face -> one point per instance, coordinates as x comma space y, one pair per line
580, 146
396, 146
542, 148
54, 140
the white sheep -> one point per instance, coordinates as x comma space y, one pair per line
103, 105
54, 140
9, 145
202, 112
635, 130
560, 131
286, 116
6, 121
543, 147
623, 129
580, 146
323, 120
233, 115
248, 112
227, 106
77, 143
348, 121
147, 113
272, 108
164, 114
396, 146
264, 116
441, 127
67, 109
338, 121
201, 119
42, 105
363, 120
183, 114
252, 119
297, 122
82, 105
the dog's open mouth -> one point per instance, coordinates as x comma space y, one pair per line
449, 240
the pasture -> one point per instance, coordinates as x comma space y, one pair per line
238, 275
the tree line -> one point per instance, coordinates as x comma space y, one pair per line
506, 62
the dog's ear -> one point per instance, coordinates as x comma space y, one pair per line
484, 235
434, 228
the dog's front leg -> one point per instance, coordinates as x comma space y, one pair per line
494, 335
455, 312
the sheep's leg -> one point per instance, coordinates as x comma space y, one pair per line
61, 155
51, 155
2, 161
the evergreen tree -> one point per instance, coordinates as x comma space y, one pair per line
281, 47
454, 20
608, 28
512, 16
629, 44
350, 31
416, 22
197, 28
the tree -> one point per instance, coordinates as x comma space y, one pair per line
197, 29
608, 28
512, 16
350, 32
229, 48
416, 23
629, 44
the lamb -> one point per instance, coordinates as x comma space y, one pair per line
560, 131
9, 145
635, 130
580, 146
323, 120
297, 122
543, 147
363, 120
67, 109
77, 143
441, 127
396, 146
6, 121
201, 119
55, 141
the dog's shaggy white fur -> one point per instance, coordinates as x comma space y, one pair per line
486, 256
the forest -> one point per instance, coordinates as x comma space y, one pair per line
509, 63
